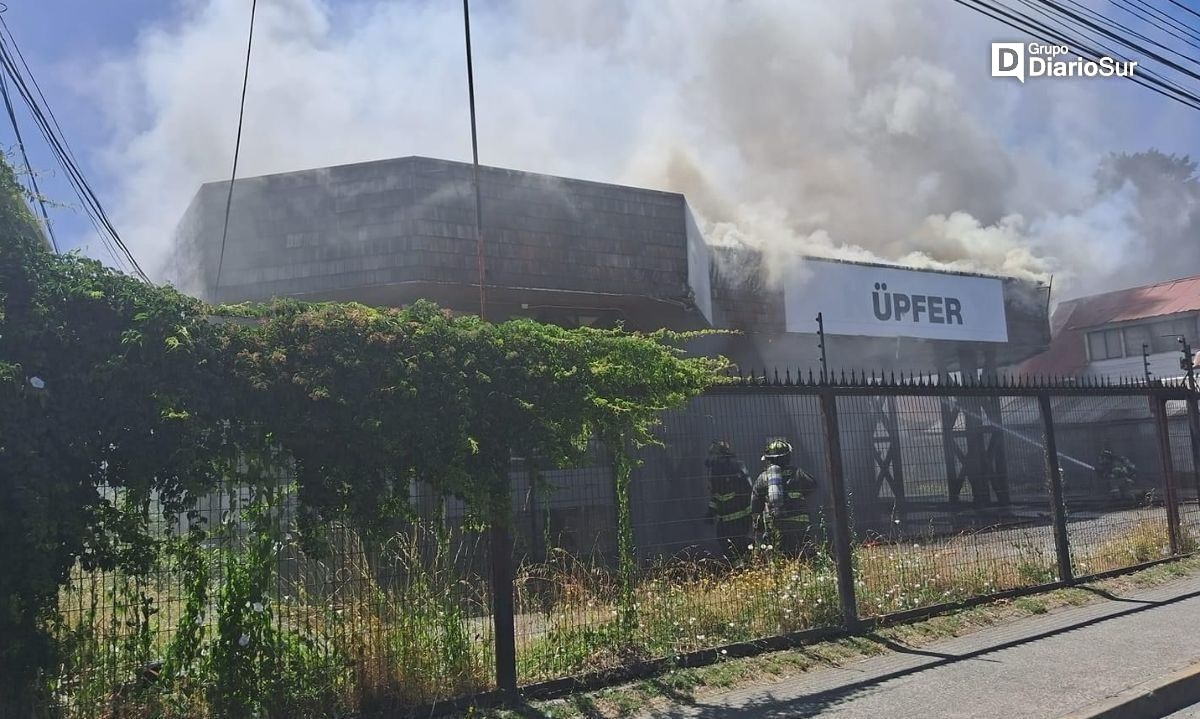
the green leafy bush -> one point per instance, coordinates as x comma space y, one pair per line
112, 387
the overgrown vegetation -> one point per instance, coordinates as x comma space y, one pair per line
684, 685
569, 612
244, 609
120, 401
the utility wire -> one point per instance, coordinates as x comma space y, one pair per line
479, 258
1143, 9
237, 146
1081, 47
106, 242
58, 148
1140, 14
38, 88
1065, 26
1061, 20
1104, 31
1026, 24
37, 192
74, 176
58, 143
1185, 8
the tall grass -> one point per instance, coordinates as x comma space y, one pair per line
250, 624
376, 626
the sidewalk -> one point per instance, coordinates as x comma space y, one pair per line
1044, 666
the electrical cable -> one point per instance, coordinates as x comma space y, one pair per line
118, 251
1104, 31
1151, 13
33, 80
62, 154
1154, 22
479, 255
1028, 25
237, 146
1065, 25
1184, 7
37, 192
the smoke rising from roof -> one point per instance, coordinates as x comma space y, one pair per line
866, 130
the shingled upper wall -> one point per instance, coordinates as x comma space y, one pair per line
412, 220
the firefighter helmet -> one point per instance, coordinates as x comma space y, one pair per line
720, 448
778, 451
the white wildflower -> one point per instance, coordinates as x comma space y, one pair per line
37, 382
244, 640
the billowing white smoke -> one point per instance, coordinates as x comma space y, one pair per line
864, 129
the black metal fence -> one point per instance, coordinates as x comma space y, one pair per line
929, 493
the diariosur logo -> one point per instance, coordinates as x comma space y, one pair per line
1021, 60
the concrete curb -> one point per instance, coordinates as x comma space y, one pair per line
1148, 700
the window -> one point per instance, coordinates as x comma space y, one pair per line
1160, 336
1165, 334
1105, 344
1135, 337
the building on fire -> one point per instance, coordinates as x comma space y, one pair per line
578, 253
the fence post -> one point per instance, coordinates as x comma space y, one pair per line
1193, 412
841, 521
1058, 509
1163, 430
503, 618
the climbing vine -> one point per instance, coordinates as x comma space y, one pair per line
107, 383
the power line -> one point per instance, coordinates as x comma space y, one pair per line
237, 146
33, 80
1141, 9
1104, 31
1184, 7
1065, 26
37, 192
479, 259
1014, 19
57, 144
78, 183
1152, 20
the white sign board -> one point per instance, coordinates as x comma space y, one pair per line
893, 302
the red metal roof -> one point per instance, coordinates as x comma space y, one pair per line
1072, 318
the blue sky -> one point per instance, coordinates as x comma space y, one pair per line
116, 75
59, 38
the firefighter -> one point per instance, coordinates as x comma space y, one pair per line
1118, 475
779, 504
729, 498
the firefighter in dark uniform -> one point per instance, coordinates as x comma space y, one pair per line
729, 498
1118, 475
779, 502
